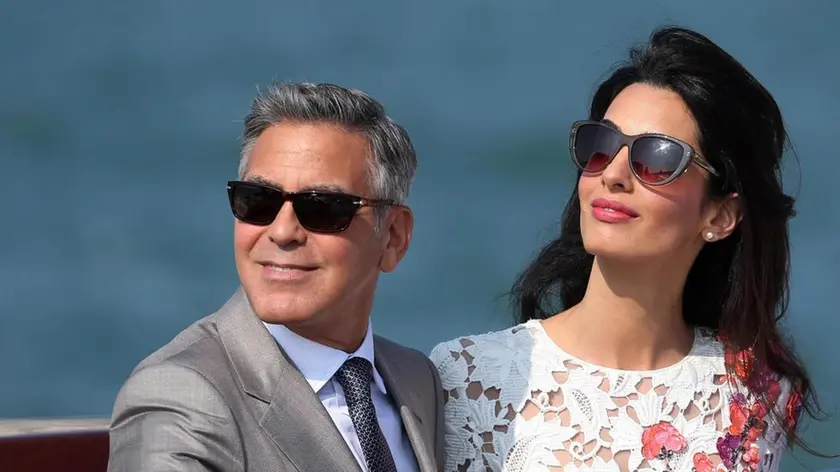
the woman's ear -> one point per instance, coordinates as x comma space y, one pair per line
722, 218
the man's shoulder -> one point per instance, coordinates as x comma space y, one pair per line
197, 347
409, 362
189, 367
392, 349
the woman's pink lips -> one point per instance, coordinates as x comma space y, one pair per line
611, 211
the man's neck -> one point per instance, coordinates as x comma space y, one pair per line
345, 335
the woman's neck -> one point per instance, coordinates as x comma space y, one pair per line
630, 318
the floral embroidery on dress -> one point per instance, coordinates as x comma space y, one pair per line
747, 416
661, 441
702, 463
516, 402
747, 412
793, 408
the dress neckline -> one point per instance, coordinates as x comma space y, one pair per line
544, 339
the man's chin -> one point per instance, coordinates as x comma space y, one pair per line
282, 309
284, 319
284, 316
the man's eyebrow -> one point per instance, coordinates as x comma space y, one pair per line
324, 188
309, 188
611, 124
262, 180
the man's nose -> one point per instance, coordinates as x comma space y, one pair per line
286, 229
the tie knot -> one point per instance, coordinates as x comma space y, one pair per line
356, 372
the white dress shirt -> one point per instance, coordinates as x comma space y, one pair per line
318, 364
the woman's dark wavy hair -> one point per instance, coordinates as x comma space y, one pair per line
738, 286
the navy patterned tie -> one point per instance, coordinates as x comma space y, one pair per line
355, 377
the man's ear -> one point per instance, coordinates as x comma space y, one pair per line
397, 230
723, 217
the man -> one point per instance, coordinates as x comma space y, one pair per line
287, 375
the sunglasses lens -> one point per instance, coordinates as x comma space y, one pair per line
594, 146
323, 212
327, 213
254, 204
655, 159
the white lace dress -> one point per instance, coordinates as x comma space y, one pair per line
515, 401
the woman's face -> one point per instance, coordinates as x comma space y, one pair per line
664, 222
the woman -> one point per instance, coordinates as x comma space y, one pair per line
671, 271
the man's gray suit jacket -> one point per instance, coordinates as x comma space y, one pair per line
222, 396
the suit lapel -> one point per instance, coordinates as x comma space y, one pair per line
294, 419
300, 425
404, 396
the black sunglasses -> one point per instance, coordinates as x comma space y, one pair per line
655, 159
321, 212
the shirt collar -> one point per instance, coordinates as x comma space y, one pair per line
319, 363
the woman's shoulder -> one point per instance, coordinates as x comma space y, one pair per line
708, 343
508, 342
707, 356
759, 404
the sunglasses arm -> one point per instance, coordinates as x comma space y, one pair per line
707, 166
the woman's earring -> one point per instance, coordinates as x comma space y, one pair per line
709, 236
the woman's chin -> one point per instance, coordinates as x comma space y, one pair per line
623, 252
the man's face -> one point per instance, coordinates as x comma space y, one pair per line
317, 284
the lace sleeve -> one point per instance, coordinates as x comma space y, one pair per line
452, 367
786, 410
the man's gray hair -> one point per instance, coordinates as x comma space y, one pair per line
392, 163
